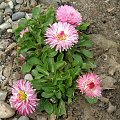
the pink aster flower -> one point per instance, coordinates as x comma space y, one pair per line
24, 98
23, 32
62, 35
68, 14
90, 84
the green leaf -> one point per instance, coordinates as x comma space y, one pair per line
48, 107
87, 53
26, 68
42, 70
52, 54
35, 12
47, 95
91, 100
51, 64
59, 64
60, 57
37, 84
58, 94
34, 61
78, 58
85, 43
36, 74
44, 57
61, 107
84, 26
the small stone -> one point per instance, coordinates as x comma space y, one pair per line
3, 95
11, 5
111, 108
3, 5
5, 110
33, 3
1, 1
3, 77
19, 1
18, 15
8, 11
10, 47
1, 19
17, 7
40, 117
14, 2
9, 30
23, 118
28, 16
28, 77
5, 25
70, 118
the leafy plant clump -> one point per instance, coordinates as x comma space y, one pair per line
55, 73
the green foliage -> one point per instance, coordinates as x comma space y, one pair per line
91, 100
54, 73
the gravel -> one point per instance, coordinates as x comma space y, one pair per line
18, 15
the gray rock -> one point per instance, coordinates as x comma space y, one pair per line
33, 3
19, 1
1, 19
3, 95
23, 118
1, 1
8, 11
103, 42
3, 5
17, 7
18, 15
5, 25
28, 77
14, 2
5, 110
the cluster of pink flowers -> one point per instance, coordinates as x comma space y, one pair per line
63, 34
24, 98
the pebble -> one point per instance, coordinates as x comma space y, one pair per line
1, 19
5, 25
3, 5
10, 47
8, 10
5, 110
11, 5
33, 3
1, 1
17, 7
3, 77
18, 15
39, 117
19, 1
111, 108
14, 2
23, 118
3, 95
28, 77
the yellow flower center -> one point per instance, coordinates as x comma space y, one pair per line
61, 35
22, 96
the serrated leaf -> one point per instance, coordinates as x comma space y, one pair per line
47, 95
84, 26
87, 53
26, 68
91, 100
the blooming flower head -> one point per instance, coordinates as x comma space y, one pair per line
90, 84
24, 98
68, 14
62, 35
23, 32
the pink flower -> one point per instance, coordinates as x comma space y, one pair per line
69, 14
61, 35
90, 84
24, 98
23, 32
